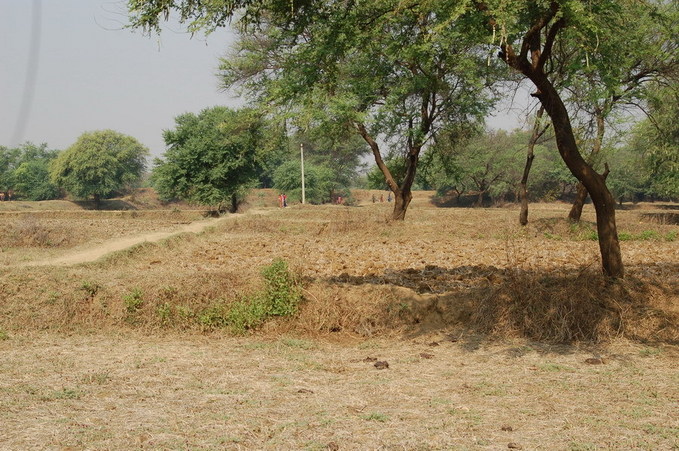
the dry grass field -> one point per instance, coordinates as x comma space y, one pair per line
456, 329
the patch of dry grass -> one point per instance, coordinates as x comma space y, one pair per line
463, 304
179, 392
364, 275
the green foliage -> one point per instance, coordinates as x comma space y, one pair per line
32, 181
212, 158
319, 182
25, 170
488, 164
654, 145
99, 164
397, 168
90, 288
279, 297
165, 314
396, 82
281, 290
9, 161
133, 301
246, 314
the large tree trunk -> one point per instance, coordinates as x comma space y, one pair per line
523, 190
604, 204
401, 201
578, 204
533, 68
402, 194
581, 197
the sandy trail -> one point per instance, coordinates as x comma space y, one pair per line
92, 254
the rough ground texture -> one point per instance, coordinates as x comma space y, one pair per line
140, 392
436, 333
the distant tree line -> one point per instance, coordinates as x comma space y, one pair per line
97, 166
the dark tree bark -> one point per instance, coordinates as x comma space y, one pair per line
523, 190
578, 204
402, 194
581, 197
533, 69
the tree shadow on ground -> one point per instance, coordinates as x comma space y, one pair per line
461, 201
564, 306
105, 205
661, 218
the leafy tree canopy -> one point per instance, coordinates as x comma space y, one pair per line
211, 157
99, 164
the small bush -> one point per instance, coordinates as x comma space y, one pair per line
281, 294
133, 301
90, 288
164, 312
649, 235
281, 297
212, 317
246, 314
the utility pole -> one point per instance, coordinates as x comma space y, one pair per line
301, 151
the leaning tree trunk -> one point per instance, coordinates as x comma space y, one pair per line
533, 68
581, 197
578, 204
604, 204
402, 194
523, 186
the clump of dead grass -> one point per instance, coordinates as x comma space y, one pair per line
580, 306
28, 231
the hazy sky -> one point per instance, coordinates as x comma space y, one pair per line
90, 74
72, 69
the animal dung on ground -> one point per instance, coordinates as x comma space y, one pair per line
595, 361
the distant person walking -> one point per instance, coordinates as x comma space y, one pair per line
389, 197
285, 200
2, 197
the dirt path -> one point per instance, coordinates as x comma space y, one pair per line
118, 244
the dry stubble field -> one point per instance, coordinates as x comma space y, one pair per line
495, 337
